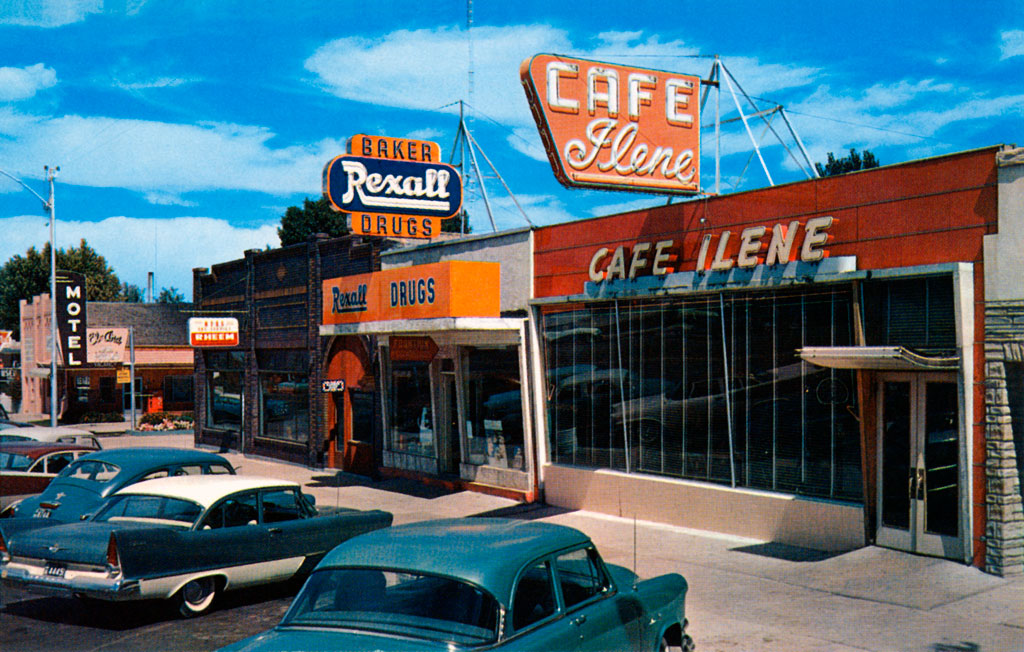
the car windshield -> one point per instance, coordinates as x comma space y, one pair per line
91, 471
140, 508
409, 604
14, 462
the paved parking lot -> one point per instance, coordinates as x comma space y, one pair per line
744, 594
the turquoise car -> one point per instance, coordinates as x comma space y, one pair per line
477, 583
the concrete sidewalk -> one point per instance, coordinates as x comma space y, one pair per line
744, 594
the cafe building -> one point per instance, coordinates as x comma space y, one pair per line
434, 346
829, 363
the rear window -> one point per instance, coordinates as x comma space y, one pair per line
151, 509
91, 470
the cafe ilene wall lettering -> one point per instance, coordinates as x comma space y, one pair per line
718, 252
616, 127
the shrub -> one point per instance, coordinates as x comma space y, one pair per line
102, 417
165, 421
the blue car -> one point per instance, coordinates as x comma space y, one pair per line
477, 584
86, 483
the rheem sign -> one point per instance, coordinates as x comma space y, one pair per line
615, 127
213, 331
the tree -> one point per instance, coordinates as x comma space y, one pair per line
170, 295
298, 224
23, 277
851, 163
131, 293
454, 224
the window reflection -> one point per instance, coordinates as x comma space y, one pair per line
651, 386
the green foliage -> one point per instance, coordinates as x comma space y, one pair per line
851, 163
131, 293
23, 277
102, 417
298, 224
170, 295
455, 223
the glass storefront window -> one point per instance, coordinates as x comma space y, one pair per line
412, 421
494, 414
224, 384
284, 394
708, 388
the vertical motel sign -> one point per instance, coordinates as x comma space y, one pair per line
393, 187
614, 127
71, 319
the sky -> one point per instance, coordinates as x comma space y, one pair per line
184, 129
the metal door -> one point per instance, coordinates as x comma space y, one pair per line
919, 468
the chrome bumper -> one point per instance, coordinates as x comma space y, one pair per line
91, 585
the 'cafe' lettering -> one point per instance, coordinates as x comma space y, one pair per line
654, 258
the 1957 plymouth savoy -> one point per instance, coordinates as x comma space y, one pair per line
184, 537
477, 583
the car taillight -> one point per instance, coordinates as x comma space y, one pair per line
5, 555
113, 560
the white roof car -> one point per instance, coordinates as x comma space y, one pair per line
60, 434
204, 490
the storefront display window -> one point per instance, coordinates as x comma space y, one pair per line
708, 388
412, 424
494, 414
224, 381
284, 394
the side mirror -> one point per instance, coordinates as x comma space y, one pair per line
310, 499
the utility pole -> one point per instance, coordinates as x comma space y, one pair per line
51, 174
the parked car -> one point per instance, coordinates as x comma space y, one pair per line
59, 434
466, 583
186, 538
26, 467
83, 486
7, 422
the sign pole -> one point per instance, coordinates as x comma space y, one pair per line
50, 175
131, 366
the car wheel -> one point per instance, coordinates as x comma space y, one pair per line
197, 596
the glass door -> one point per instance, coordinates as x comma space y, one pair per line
919, 464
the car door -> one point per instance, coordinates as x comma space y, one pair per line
229, 538
291, 536
605, 619
534, 621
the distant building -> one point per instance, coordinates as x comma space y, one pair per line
163, 360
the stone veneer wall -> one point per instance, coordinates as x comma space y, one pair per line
1004, 532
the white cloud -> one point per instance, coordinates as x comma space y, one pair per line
427, 69
47, 13
135, 246
156, 156
22, 83
1012, 44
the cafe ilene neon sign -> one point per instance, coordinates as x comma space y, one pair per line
756, 246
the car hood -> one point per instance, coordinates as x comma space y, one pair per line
325, 640
84, 543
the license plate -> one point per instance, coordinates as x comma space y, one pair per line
41, 512
56, 570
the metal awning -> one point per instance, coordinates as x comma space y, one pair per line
887, 358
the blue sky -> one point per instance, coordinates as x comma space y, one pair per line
184, 129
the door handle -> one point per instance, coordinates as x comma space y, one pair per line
579, 620
275, 530
920, 483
